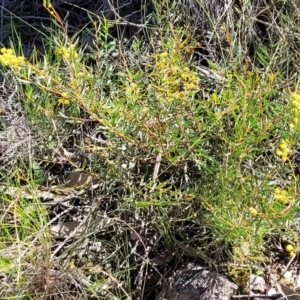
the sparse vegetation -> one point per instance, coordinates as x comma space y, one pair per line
129, 145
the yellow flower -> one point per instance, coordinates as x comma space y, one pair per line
283, 145
289, 248
296, 104
292, 253
282, 196
67, 53
164, 54
295, 96
63, 101
8, 57
64, 94
253, 211
191, 87
283, 150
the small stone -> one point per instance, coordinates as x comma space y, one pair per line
288, 275
272, 291
257, 284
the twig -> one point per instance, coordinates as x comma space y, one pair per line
275, 296
157, 166
288, 265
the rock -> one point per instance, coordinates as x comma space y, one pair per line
195, 284
257, 284
288, 275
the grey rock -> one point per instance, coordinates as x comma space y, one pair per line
257, 284
198, 285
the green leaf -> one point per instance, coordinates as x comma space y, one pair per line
259, 272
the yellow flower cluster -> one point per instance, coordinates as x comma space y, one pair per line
64, 99
282, 196
290, 249
284, 151
296, 109
172, 80
253, 211
8, 58
67, 53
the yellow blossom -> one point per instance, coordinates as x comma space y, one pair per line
164, 54
283, 151
191, 87
295, 96
289, 248
8, 58
64, 94
283, 145
296, 104
282, 195
253, 211
63, 101
67, 53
